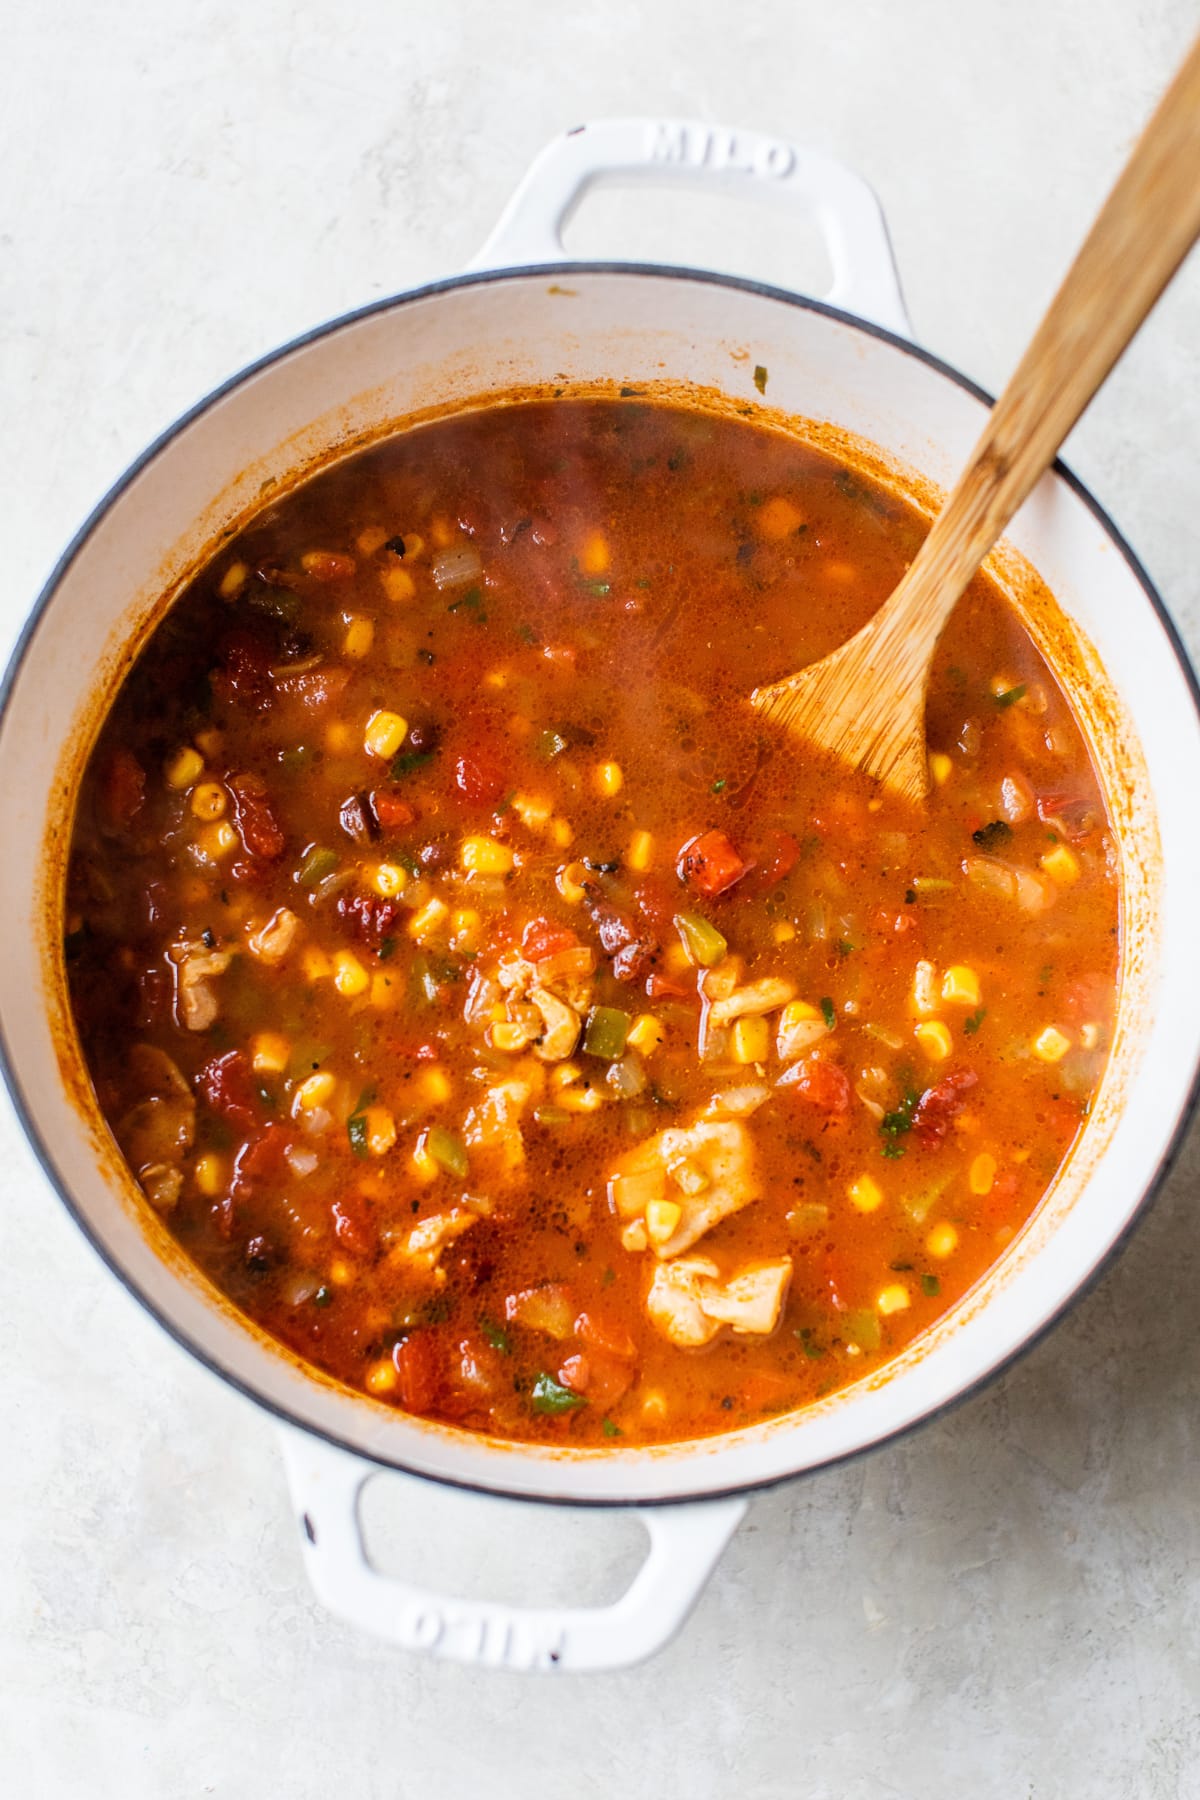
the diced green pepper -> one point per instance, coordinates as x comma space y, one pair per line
317, 864
496, 1336
549, 1396
862, 1328
549, 744
702, 941
607, 1029
447, 1151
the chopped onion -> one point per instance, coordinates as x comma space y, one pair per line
300, 1287
456, 567
300, 1160
627, 1078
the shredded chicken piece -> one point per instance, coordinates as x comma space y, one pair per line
707, 1169
689, 1303
673, 1303
493, 1128
426, 1241
194, 964
562, 1025
762, 996
272, 941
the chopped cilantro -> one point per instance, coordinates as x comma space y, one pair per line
894, 1125
609, 1429
598, 588
387, 947
356, 1124
971, 1025
1010, 696
549, 1396
408, 762
718, 787
828, 1012
760, 378
496, 1336
930, 1285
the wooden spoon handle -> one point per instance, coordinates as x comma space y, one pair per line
1143, 232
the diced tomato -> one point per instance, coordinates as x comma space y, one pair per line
328, 565
315, 688
883, 920
1078, 818
351, 1226
822, 1084
603, 1379
602, 1334
778, 856
370, 916
762, 1389
1088, 998
658, 902
480, 775
243, 674
543, 937
255, 817
709, 864
417, 1364
227, 1085
122, 789
661, 987
391, 811
939, 1106
260, 1160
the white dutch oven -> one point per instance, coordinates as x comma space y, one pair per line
523, 317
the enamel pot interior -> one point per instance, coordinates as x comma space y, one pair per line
579, 328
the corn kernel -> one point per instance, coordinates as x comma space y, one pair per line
339, 739
383, 991
1089, 1035
1050, 1046
506, 1036
398, 584
349, 977
359, 638
428, 920
784, 932
270, 1053
435, 1087
217, 840
676, 960
384, 734
942, 1241
382, 1377
645, 1034
233, 581
314, 964
561, 834
654, 1406
533, 810
388, 880
484, 856
662, 1216
370, 539
960, 985
893, 1299
441, 532
465, 927
209, 800
593, 556
569, 882
865, 1193
778, 518
381, 1130
640, 852
934, 1039
184, 768
633, 1236
924, 990
209, 1175
581, 1099
608, 780
982, 1173
565, 1074
1061, 865
341, 1272
940, 767
496, 678
750, 1040
316, 1090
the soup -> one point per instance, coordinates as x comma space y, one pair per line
505, 1018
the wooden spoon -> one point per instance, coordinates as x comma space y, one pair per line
866, 702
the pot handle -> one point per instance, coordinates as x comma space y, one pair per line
685, 1543
865, 281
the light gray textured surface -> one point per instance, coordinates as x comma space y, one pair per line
1003, 1606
